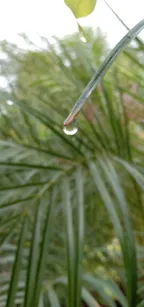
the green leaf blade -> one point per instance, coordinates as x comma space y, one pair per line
16, 267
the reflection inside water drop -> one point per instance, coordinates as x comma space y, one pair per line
71, 129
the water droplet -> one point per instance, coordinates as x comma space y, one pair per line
72, 128
83, 39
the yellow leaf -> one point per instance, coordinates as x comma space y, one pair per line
81, 8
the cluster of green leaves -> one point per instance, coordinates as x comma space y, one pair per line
64, 200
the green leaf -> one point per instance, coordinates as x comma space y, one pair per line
100, 287
81, 8
41, 301
70, 242
79, 236
128, 244
43, 251
89, 299
126, 236
16, 267
54, 301
33, 166
133, 171
108, 201
33, 259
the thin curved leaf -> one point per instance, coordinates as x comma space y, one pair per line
103, 69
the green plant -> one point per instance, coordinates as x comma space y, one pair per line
65, 200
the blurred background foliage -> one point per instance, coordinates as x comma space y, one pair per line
71, 207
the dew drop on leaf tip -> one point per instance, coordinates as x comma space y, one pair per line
71, 129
